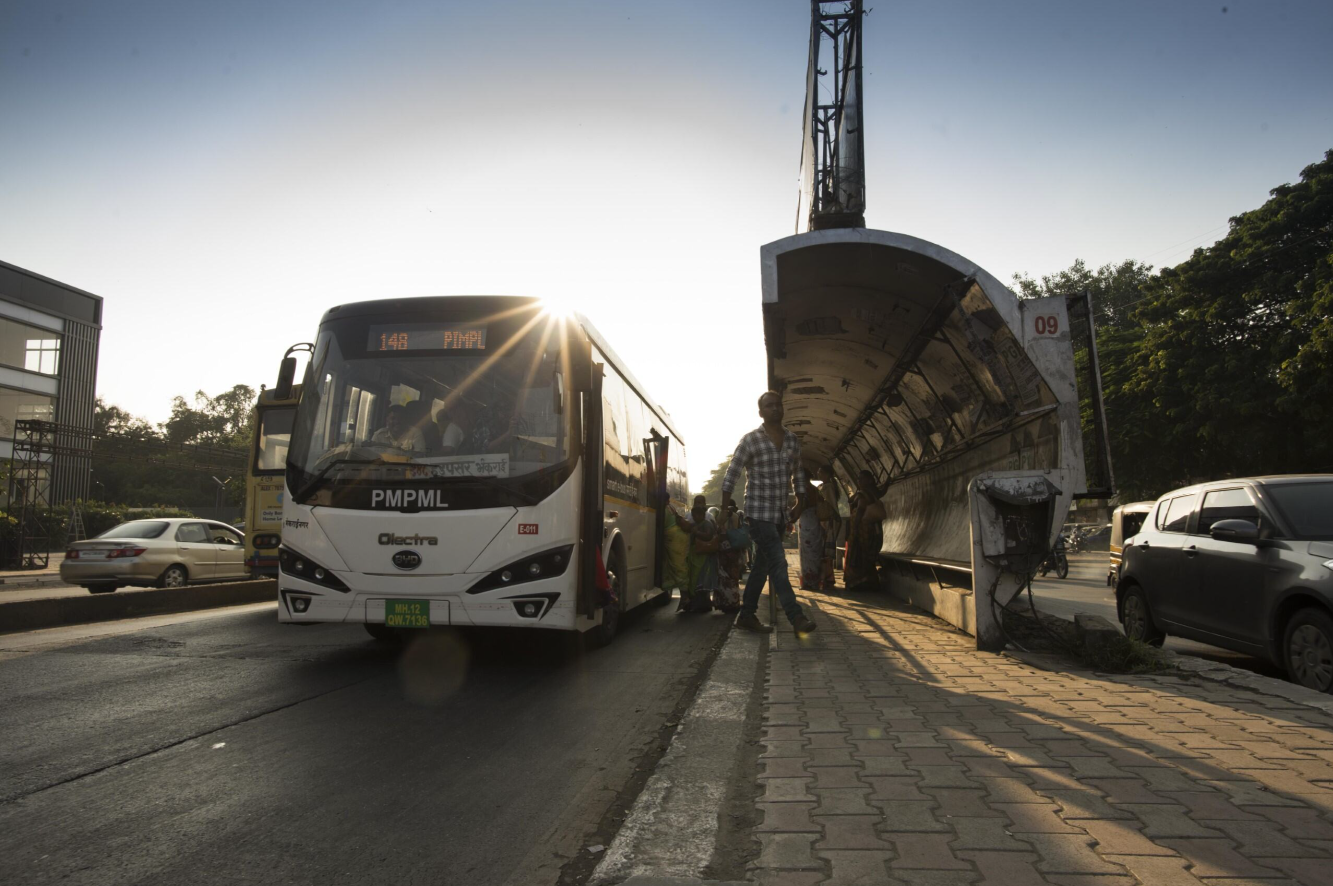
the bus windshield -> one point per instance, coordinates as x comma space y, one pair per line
434, 418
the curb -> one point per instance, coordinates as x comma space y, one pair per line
1242, 679
30, 581
31, 615
1203, 668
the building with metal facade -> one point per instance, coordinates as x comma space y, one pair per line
49, 335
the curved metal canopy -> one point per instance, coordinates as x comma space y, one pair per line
895, 355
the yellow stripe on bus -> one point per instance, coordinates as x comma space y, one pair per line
629, 504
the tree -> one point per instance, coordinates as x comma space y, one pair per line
713, 488
109, 419
1114, 289
1237, 355
223, 420
1223, 365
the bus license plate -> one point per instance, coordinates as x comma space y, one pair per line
407, 613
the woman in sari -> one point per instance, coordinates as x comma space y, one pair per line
835, 527
865, 536
830, 498
811, 542
675, 571
701, 563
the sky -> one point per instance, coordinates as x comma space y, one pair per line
223, 173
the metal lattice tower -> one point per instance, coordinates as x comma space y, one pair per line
833, 184
30, 491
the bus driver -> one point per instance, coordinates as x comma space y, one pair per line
399, 433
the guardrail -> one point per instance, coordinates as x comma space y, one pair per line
31, 615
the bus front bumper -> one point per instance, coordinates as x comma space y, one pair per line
548, 603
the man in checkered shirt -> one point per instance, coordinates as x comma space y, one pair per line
771, 456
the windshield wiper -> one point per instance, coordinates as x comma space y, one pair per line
310, 485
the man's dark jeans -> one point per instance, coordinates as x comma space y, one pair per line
770, 562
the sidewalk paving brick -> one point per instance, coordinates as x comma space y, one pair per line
783, 790
843, 801
1218, 858
850, 832
894, 752
787, 818
1010, 868
928, 851
857, 867
903, 816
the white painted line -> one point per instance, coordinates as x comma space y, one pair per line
672, 827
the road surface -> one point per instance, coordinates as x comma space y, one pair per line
231, 749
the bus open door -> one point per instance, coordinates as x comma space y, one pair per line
656, 449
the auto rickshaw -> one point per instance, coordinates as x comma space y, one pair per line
1125, 523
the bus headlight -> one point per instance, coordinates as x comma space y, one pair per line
301, 566
533, 567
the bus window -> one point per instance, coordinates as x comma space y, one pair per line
275, 435
638, 431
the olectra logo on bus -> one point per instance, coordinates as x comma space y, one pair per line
388, 538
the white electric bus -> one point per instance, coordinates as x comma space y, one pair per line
466, 460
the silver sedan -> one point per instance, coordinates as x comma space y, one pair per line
166, 553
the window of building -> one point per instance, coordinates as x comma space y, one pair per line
42, 355
21, 405
30, 348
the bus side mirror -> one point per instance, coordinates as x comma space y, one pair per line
286, 374
557, 392
581, 366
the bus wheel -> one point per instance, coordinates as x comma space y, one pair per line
390, 636
605, 632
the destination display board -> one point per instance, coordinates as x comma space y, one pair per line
427, 337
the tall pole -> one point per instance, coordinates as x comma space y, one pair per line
833, 151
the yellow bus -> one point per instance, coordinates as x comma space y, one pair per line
264, 480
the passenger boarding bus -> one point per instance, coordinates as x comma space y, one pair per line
264, 480
476, 461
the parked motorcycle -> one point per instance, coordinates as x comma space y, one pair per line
1056, 559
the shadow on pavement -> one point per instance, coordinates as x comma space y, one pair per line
941, 761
